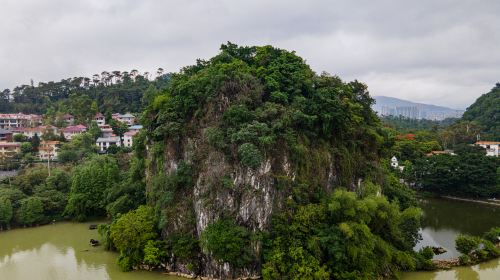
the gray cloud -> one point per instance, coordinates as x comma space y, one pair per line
441, 52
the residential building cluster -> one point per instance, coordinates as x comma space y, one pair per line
30, 125
492, 147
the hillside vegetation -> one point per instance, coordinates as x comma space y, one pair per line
256, 165
486, 112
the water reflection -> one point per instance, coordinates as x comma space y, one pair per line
60, 252
48, 262
443, 221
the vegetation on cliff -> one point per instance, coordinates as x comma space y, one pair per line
486, 112
262, 113
249, 164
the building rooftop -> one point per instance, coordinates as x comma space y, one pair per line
108, 139
126, 115
135, 127
74, 128
9, 144
487, 143
131, 133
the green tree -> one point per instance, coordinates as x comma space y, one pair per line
154, 252
30, 211
119, 129
227, 242
6, 212
19, 138
26, 148
79, 147
466, 244
35, 142
485, 111
89, 184
94, 130
131, 233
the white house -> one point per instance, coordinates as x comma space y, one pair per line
394, 162
127, 118
491, 147
128, 138
73, 130
38, 130
48, 150
107, 131
100, 119
105, 142
19, 120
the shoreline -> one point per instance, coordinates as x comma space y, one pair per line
471, 200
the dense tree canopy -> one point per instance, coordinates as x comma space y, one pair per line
486, 112
83, 97
469, 173
90, 182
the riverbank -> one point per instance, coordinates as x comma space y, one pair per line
62, 251
486, 202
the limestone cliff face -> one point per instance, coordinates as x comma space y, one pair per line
305, 134
249, 195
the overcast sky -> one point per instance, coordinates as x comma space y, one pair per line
439, 52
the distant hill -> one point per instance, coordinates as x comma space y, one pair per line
390, 106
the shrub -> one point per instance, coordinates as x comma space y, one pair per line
464, 260
465, 244
154, 252
493, 235
227, 242
250, 155
424, 259
30, 211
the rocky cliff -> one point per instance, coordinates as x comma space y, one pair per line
244, 136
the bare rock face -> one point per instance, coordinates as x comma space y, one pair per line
221, 187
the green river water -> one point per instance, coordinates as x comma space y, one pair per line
443, 221
58, 252
61, 251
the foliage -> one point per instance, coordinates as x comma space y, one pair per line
493, 235
424, 259
470, 173
26, 148
466, 244
94, 130
475, 249
29, 178
407, 125
345, 237
227, 242
30, 211
131, 233
119, 129
486, 112
80, 146
19, 138
154, 252
90, 182
105, 233
83, 97
394, 190
6, 212
54, 201
250, 155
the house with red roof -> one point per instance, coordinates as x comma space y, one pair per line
73, 130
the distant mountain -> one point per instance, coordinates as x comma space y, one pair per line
390, 106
